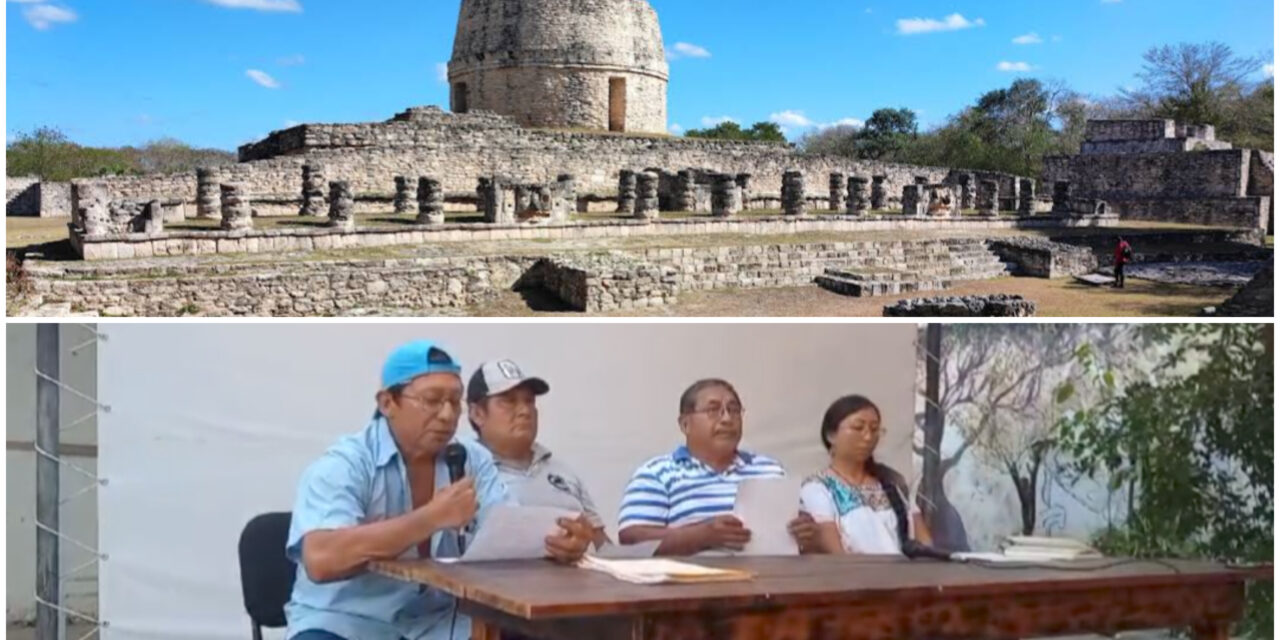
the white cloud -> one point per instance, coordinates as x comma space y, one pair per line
1056, 38
708, 121
290, 6
1028, 38
844, 122
685, 50
442, 72
1005, 65
1269, 70
43, 16
289, 124
790, 118
953, 22
675, 129
291, 61
262, 78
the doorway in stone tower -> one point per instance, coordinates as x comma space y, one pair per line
617, 104
460, 97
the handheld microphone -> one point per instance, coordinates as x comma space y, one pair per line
455, 458
915, 550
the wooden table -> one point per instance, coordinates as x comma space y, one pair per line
845, 598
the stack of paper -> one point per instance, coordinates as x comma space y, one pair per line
1036, 548
661, 571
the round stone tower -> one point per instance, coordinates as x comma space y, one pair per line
593, 64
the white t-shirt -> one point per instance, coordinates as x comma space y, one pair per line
863, 515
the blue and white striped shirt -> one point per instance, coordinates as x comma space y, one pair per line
676, 489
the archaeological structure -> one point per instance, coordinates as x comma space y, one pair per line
553, 160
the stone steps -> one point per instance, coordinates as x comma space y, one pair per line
934, 268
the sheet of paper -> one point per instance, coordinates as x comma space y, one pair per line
627, 551
766, 506
512, 532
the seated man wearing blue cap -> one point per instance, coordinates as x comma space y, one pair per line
384, 493
502, 405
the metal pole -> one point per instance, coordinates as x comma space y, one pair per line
47, 490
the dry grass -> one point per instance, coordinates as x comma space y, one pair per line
1054, 298
24, 231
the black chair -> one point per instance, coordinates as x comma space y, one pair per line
266, 573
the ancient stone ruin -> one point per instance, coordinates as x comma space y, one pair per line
993, 306
1161, 170
517, 59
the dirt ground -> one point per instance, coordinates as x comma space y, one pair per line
1054, 298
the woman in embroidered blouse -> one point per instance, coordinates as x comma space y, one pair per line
861, 506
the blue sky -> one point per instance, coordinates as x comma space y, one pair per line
221, 72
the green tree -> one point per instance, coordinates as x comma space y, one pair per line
1192, 83
44, 152
1191, 446
759, 132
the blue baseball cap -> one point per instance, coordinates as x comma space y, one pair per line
413, 359
417, 358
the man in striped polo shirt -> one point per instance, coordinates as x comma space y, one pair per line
685, 498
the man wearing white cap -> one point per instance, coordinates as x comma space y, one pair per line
503, 409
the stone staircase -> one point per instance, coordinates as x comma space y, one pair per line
909, 268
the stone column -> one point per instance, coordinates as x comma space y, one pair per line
794, 202
208, 194
627, 191
967, 184
988, 198
913, 201
726, 196
647, 196
430, 198
565, 201
237, 210
406, 195
858, 204
1062, 198
836, 185
685, 196
1026, 197
314, 187
499, 202
744, 188
879, 195
342, 206
94, 215
153, 217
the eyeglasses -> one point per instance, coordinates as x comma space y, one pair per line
714, 412
433, 405
864, 430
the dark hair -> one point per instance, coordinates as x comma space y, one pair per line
689, 399
891, 482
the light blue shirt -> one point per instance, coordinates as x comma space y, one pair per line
363, 479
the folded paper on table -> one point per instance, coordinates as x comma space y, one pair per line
662, 571
627, 551
766, 506
512, 532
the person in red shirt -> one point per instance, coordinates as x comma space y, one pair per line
1124, 254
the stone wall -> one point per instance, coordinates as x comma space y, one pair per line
180, 242
993, 306
1203, 174
1251, 211
1257, 299
22, 196
1041, 258
613, 280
